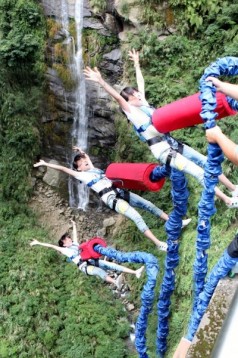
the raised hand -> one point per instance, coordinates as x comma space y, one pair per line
41, 162
77, 149
134, 56
34, 242
92, 74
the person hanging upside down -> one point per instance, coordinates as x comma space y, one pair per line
70, 248
165, 148
215, 134
120, 200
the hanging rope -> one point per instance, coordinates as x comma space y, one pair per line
223, 66
147, 295
173, 228
206, 208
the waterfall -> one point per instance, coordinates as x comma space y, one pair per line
79, 193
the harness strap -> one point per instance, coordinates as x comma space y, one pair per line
172, 154
107, 190
114, 203
154, 140
143, 127
94, 181
180, 147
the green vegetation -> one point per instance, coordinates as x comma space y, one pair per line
97, 45
48, 308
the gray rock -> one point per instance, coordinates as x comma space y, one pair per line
114, 55
109, 222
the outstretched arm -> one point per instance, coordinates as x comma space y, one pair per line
134, 56
86, 156
229, 148
57, 248
228, 89
95, 76
56, 166
74, 233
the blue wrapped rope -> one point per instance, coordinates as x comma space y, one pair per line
223, 66
220, 270
160, 172
206, 208
147, 295
173, 228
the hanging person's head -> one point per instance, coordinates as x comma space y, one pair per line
65, 240
132, 96
80, 163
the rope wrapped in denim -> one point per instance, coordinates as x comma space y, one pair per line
147, 295
173, 227
203, 292
219, 271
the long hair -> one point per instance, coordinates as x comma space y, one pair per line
128, 91
61, 240
76, 158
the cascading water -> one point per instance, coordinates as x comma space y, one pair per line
79, 193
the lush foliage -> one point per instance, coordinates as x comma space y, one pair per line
21, 62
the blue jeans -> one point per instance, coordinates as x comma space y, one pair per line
190, 161
93, 270
126, 208
194, 156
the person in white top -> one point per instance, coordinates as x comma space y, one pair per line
117, 199
70, 247
164, 147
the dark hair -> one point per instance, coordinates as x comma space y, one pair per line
76, 158
61, 240
128, 91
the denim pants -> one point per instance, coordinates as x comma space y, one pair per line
190, 161
127, 208
93, 270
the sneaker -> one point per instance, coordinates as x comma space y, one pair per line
139, 271
163, 246
185, 222
234, 203
234, 193
119, 282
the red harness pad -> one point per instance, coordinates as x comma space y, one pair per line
87, 248
186, 112
133, 176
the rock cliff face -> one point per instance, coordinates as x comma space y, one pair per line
60, 102
105, 30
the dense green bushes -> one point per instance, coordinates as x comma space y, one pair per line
22, 28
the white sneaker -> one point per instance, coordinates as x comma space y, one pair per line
163, 246
234, 203
139, 271
185, 222
120, 281
234, 193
